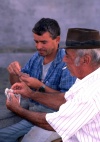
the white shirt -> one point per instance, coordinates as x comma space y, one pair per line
78, 120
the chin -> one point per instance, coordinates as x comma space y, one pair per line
42, 54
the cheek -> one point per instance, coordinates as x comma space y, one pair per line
47, 46
68, 61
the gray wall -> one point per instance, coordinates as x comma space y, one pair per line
17, 18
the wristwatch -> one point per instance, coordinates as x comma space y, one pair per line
42, 89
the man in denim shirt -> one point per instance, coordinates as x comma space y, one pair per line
43, 72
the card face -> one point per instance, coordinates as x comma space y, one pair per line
9, 91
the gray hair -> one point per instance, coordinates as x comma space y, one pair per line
94, 53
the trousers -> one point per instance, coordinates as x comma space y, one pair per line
13, 132
37, 134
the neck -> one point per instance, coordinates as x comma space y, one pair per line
89, 70
49, 58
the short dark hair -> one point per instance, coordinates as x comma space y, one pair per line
47, 25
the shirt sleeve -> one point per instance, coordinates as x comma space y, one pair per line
72, 116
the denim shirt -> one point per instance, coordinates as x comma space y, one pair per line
56, 78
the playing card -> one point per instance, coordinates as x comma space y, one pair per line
7, 93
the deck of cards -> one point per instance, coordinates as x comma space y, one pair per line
9, 91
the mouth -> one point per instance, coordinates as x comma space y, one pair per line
41, 51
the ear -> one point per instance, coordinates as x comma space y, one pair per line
86, 59
58, 39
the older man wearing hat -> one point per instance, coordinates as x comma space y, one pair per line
78, 117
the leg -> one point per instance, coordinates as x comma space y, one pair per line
12, 133
37, 134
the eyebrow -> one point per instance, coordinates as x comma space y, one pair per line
41, 40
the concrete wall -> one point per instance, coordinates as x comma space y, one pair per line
17, 18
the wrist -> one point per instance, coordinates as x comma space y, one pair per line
42, 88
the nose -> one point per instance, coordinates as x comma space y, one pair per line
38, 45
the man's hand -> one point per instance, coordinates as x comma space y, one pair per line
37, 118
23, 89
12, 103
30, 81
14, 68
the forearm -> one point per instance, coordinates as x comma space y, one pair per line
50, 90
36, 84
36, 118
13, 79
54, 100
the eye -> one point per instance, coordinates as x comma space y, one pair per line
44, 42
66, 54
36, 41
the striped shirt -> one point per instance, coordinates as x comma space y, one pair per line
78, 120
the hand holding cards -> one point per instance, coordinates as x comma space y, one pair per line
9, 91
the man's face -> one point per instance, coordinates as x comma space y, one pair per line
45, 44
69, 59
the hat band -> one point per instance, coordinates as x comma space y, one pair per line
86, 43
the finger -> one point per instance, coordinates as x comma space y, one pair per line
24, 79
17, 70
16, 86
10, 70
15, 66
24, 74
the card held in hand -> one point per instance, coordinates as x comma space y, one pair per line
7, 93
